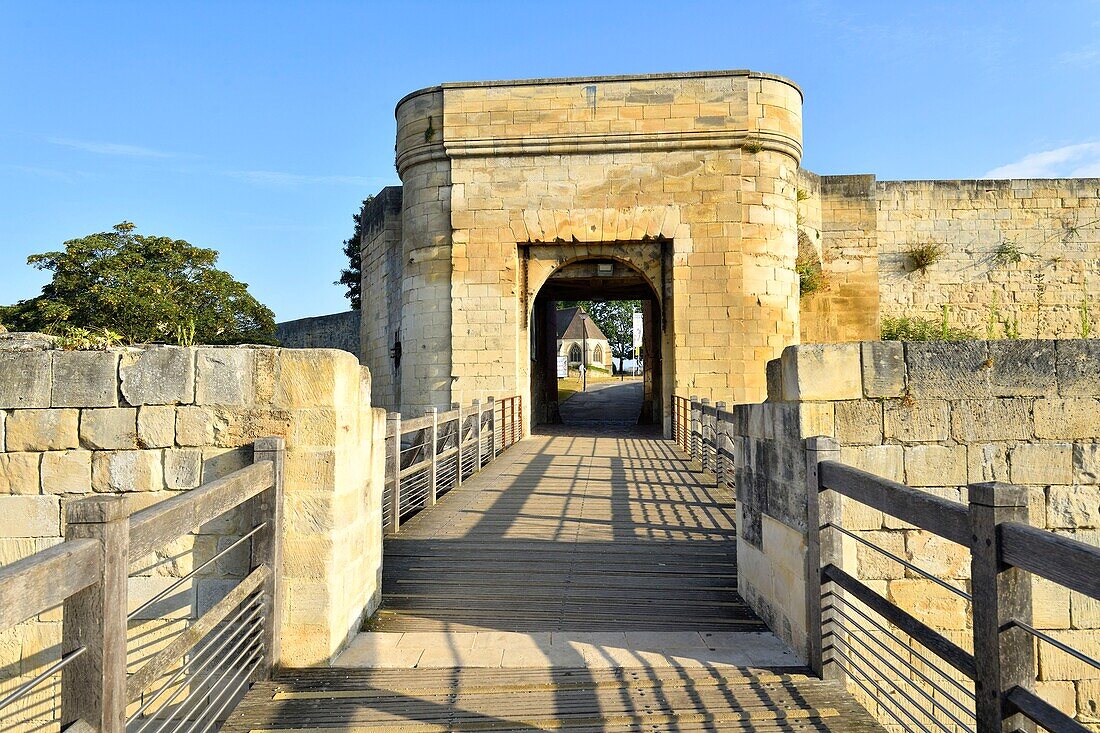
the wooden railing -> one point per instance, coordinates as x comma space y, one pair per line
204, 669
1003, 549
428, 456
702, 430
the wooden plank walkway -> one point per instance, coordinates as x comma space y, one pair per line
578, 700
566, 532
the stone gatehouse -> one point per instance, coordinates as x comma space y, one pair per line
688, 185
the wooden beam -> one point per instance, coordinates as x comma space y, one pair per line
1056, 557
45, 579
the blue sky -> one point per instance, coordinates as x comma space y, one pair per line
256, 128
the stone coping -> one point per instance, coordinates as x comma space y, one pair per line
569, 80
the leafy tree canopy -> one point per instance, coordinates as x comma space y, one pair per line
352, 276
143, 288
615, 318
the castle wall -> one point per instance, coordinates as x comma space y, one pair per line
380, 315
335, 331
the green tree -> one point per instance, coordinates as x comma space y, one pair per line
616, 319
145, 289
351, 277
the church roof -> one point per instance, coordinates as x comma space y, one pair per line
569, 325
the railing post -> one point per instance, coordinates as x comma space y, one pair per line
821, 548
477, 431
1003, 652
719, 436
492, 428
394, 459
93, 686
695, 430
458, 472
704, 428
433, 447
267, 547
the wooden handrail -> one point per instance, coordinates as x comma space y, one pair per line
1064, 560
45, 579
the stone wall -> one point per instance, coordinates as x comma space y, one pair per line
149, 423
380, 315
938, 417
335, 331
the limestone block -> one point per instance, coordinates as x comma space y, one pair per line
1071, 418
1055, 664
1022, 368
1078, 365
954, 370
991, 419
935, 465
1073, 507
25, 379
19, 473
1062, 695
109, 429
316, 378
986, 462
156, 426
873, 565
223, 376
1041, 463
858, 422
67, 472
163, 375
218, 462
822, 372
126, 471
194, 426
35, 430
885, 461
883, 368
938, 556
85, 379
1050, 604
1088, 701
182, 468
1086, 463
919, 421
179, 603
929, 603
31, 516
857, 515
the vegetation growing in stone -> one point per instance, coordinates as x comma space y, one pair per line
915, 328
122, 286
811, 276
923, 256
351, 276
752, 147
1008, 253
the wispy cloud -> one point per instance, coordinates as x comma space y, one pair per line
1069, 161
1085, 56
104, 148
47, 173
280, 178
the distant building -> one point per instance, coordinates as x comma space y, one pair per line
574, 335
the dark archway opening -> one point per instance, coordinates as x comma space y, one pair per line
602, 280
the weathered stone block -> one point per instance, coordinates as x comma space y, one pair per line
1071, 418
25, 379
156, 426
223, 376
37, 430
929, 603
954, 370
1055, 664
773, 372
1073, 507
182, 468
858, 422
919, 421
163, 375
986, 462
194, 426
1078, 366
1041, 463
218, 462
1022, 368
67, 472
992, 419
1050, 604
315, 378
936, 555
883, 368
85, 379
31, 516
1088, 701
19, 473
872, 564
822, 372
935, 465
109, 429
882, 460
125, 471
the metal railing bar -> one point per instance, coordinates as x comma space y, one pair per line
880, 690
935, 703
240, 685
883, 629
1058, 644
188, 707
130, 616
919, 571
16, 694
236, 625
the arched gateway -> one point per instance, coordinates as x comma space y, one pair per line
515, 191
